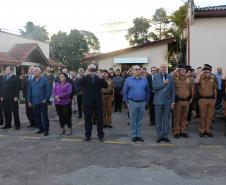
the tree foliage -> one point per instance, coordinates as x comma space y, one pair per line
35, 32
139, 33
71, 48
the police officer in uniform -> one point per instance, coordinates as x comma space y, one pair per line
184, 96
207, 89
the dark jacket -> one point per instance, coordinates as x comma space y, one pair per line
92, 90
10, 88
150, 82
26, 82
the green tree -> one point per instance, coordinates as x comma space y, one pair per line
139, 33
179, 23
92, 40
71, 48
35, 32
160, 22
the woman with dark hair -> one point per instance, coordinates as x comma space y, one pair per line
61, 92
107, 95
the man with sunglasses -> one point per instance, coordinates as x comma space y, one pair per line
207, 89
135, 94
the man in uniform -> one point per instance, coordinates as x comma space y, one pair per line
207, 89
184, 96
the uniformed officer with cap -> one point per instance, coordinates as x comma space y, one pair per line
207, 89
184, 96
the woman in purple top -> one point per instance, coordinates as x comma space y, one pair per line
61, 93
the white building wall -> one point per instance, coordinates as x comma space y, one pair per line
156, 55
7, 41
208, 42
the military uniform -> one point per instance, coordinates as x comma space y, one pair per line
207, 87
107, 95
184, 93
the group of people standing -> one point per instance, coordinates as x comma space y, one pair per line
97, 91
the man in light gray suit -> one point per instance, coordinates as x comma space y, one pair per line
163, 86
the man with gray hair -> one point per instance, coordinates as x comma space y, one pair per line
136, 94
38, 95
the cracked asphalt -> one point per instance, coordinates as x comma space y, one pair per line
30, 159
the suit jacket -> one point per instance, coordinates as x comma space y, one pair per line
92, 90
150, 82
164, 95
10, 88
25, 86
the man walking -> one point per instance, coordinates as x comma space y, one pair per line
136, 94
10, 97
38, 94
91, 85
164, 101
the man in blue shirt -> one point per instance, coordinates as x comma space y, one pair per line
38, 94
136, 94
219, 88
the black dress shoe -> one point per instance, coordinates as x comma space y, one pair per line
110, 126
46, 133
209, 134
101, 139
134, 139
184, 135
105, 126
159, 140
1, 123
166, 139
17, 128
86, 139
5, 127
201, 134
176, 136
140, 139
39, 132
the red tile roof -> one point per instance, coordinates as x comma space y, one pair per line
22, 51
6, 59
211, 11
54, 63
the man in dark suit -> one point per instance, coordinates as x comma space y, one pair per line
1, 106
151, 104
29, 110
92, 101
10, 97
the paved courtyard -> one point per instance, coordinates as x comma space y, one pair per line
30, 159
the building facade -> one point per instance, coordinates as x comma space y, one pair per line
146, 55
206, 31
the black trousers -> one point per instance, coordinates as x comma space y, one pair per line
30, 115
219, 97
89, 111
1, 114
63, 112
189, 117
118, 100
152, 111
9, 108
79, 101
197, 106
